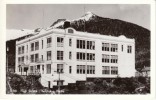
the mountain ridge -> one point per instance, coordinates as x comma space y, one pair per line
116, 27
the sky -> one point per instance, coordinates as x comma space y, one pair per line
32, 16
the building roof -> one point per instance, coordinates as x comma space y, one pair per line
78, 33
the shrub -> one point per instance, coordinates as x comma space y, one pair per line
142, 79
16, 82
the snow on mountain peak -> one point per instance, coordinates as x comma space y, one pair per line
15, 33
89, 13
87, 16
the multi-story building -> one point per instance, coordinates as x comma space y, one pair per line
69, 56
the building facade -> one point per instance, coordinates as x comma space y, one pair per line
68, 55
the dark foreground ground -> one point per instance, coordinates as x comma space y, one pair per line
16, 84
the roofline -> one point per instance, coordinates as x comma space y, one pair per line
76, 33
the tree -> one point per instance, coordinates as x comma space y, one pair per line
16, 82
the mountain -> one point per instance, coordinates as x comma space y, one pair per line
88, 16
12, 34
106, 26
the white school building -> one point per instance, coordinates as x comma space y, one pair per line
69, 56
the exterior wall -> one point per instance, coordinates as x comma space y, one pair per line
126, 61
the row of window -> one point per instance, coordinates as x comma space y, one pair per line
81, 69
34, 57
21, 59
34, 69
109, 58
109, 47
83, 44
59, 55
59, 68
107, 70
85, 56
81, 56
35, 46
114, 47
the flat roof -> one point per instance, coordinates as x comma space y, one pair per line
45, 32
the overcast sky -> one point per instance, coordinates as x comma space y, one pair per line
30, 16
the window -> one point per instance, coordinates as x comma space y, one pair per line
59, 55
48, 55
70, 31
22, 59
27, 48
81, 44
78, 43
114, 70
37, 45
70, 55
19, 50
114, 59
122, 47
114, 48
60, 68
42, 57
105, 58
59, 42
42, 69
19, 60
70, 42
31, 69
48, 68
90, 69
32, 46
129, 49
38, 68
42, 44
105, 46
80, 69
22, 50
36, 57
90, 57
80, 56
32, 58
70, 69
91, 45
49, 42
105, 70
